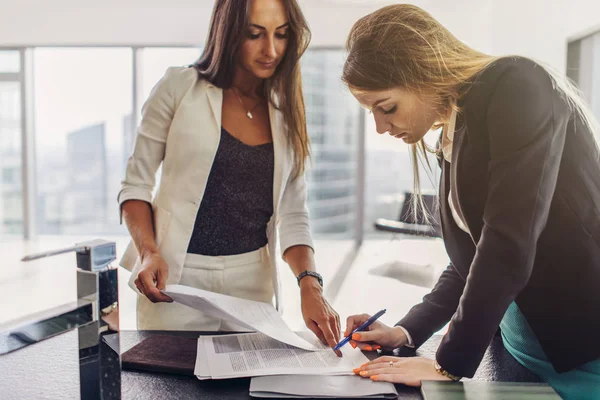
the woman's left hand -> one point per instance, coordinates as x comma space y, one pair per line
409, 371
318, 315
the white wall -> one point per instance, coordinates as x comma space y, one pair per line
185, 22
534, 28
65, 22
541, 29
582, 17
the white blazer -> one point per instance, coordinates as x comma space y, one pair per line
181, 128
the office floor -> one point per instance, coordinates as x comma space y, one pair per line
383, 273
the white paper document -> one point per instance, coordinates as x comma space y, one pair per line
254, 315
320, 386
255, 354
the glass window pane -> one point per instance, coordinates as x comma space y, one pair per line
389, 174
11, 207
333, 119
83, 100
10, 61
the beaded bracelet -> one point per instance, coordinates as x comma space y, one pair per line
310, 273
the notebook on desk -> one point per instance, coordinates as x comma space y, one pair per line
162, 353
470, 390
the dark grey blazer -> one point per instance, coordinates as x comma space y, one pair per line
527, 180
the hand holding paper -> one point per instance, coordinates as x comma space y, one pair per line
254, 315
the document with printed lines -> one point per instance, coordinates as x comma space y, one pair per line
256, 354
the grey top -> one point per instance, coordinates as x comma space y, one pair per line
238, 200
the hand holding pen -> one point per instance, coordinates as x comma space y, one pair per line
375, 336
362, 327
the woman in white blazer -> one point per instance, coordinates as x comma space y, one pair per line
230, 133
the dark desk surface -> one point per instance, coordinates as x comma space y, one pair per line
50, 370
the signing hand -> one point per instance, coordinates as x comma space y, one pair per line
377, 334
409, 371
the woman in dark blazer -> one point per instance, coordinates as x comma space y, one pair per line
519, 203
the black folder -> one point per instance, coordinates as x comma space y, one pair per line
162, 353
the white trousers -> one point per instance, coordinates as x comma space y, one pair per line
247, 276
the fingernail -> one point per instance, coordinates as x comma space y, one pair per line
356, 336
356, 370
363, 373
377, 347
362, 366
368, 348
353, 345
374, 377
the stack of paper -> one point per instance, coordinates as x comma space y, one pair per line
255, 354
273, 351
320, 387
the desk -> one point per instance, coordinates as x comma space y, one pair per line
49, 370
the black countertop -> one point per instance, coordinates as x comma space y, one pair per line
50, 370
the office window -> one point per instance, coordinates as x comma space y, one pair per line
10, 61
333, 118
389, 174
11, 208
83, 99
85, 129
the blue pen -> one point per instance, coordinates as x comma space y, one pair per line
360, 328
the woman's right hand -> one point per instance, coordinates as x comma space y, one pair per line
376, 334
152, 278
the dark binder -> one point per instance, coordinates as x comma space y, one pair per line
162, 353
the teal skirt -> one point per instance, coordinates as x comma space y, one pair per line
582, 383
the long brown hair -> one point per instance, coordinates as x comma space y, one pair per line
228, 29
404, 46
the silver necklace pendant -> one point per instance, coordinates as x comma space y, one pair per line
249, 115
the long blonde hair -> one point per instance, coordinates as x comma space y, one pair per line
404, 46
